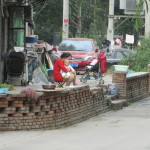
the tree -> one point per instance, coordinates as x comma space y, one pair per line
93, 19
133, 26
87, 18
48, 20
139, 61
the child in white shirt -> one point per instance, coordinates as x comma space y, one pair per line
66, 75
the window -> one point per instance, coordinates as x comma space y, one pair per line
76, 45
119, 55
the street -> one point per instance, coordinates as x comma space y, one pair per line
126, 129
41, 41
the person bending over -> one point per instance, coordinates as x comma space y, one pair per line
60, 67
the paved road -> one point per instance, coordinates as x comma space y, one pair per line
92, 82
126, 129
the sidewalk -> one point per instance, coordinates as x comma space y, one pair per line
91, 83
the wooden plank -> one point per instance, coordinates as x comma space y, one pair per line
47, 90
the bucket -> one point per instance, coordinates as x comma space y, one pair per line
121, 68
32, 39
3, 90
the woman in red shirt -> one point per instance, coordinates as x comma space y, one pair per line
59, 65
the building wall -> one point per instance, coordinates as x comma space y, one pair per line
3, 43
0, 31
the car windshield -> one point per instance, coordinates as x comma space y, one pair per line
109, 55
73, 45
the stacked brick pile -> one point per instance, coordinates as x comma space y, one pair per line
52, 110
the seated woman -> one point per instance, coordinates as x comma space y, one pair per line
59, 66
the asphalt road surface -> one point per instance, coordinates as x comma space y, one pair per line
126, 129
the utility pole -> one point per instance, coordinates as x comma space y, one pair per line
110, 30
65, 19
147, 20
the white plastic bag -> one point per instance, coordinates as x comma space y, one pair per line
39, 78
112, 90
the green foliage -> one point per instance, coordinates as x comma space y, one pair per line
138, 25
138, 18
10, 87
134, 26
141, 59
98, 25
128, 28
48, 20
49, 13
110, 70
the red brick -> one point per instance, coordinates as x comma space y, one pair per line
3, 105
37, 119
9, 99
5, 102
17, 105
17, 115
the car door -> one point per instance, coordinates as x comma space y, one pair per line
110, 58
119, 55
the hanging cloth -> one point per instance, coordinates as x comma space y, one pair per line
50, 64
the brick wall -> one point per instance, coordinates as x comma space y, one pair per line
119, 79
52, 110
137, 87
132, 88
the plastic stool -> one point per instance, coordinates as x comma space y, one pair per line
59, 84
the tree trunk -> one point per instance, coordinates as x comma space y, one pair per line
79, 25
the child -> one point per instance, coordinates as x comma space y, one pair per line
67, 75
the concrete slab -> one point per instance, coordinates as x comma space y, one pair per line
91, 83
119, 104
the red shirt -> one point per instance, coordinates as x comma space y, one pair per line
58, 66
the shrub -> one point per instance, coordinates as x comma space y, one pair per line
141, 59
10, 87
